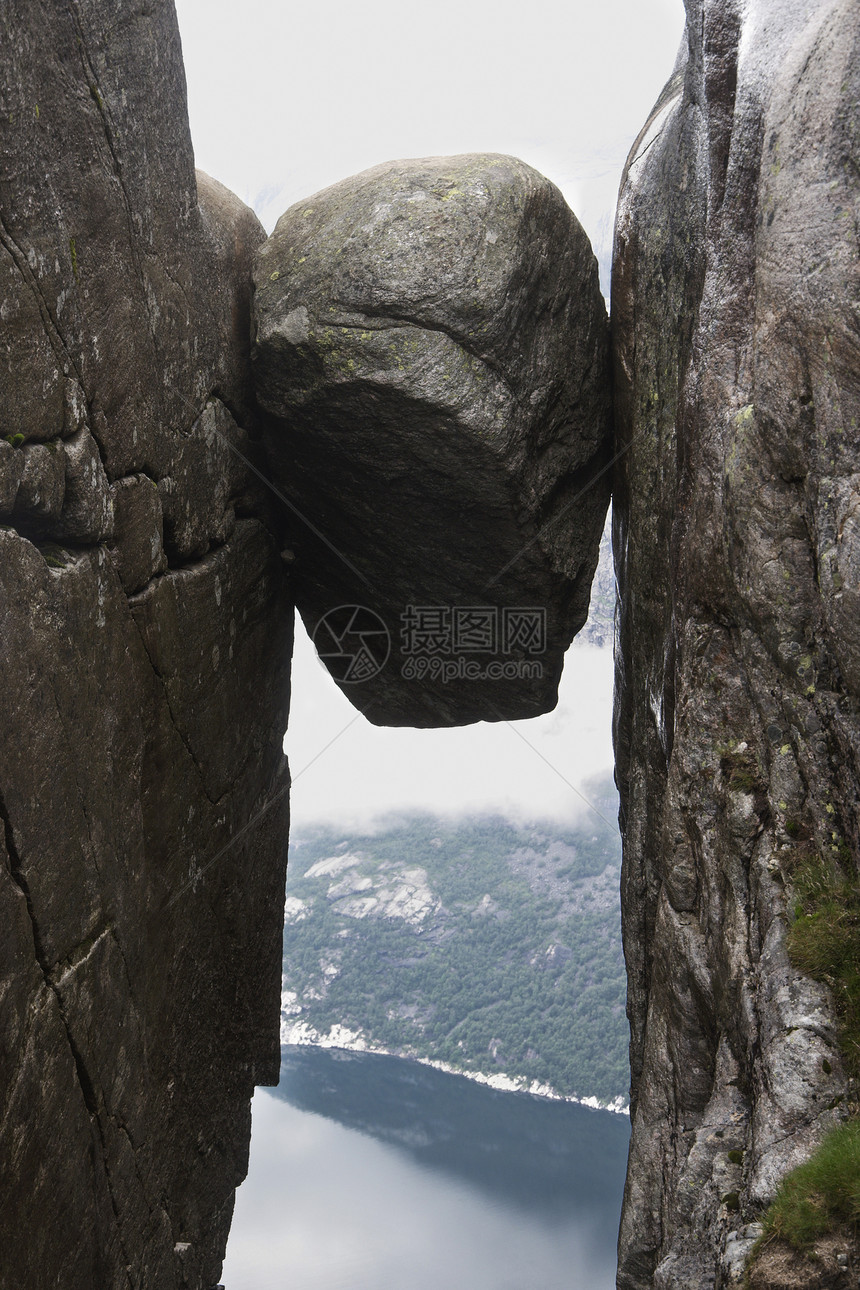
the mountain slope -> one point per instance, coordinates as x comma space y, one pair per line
490, 947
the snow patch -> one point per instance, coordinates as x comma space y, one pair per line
301, 1033
347, 885
332, 865
295, 910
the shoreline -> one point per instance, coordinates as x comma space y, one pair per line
300, 1034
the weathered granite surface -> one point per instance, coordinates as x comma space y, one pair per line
144, 607
145, 625
431, 346
737, 547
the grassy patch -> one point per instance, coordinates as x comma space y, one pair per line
55, 557
820, 1194
824, 942
740, 768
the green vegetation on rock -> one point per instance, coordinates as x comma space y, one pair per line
824, 942
821, 1194
492, 947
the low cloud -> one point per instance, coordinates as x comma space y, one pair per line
348, 772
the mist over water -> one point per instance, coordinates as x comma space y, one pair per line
373, 1173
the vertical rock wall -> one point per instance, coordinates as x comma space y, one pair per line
145, 633
736, 342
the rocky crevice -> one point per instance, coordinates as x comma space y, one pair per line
434, 412
52, 984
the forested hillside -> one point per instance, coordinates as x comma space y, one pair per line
491, 947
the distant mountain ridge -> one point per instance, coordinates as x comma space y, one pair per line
478, 945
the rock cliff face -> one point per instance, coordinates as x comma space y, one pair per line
737, 547
145, 626
146, 629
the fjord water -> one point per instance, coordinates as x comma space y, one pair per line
374, 1173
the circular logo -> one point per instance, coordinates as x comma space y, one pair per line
353, 642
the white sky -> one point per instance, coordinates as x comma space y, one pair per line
286, 99
370, 769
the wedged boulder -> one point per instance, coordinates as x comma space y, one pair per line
431, 351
